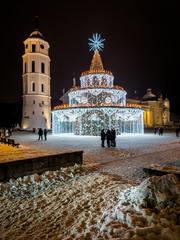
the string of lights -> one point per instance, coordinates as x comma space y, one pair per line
97, 103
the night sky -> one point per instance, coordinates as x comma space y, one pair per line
141, 44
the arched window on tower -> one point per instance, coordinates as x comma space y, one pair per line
33, 87
33, 48
25, 85
25, 67
42, 67
42, 87
33, 66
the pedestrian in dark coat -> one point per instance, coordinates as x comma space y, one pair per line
40, 133
108, 137
155, 130
177, 131
103, 137
45, 134
113, 137
160, 131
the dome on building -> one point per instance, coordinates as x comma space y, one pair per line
36, 34
149, 96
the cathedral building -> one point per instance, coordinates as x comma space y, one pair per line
36, 111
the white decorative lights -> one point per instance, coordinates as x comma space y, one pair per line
96, 42
97, 103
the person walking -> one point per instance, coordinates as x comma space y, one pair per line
40, 134
103, 137
113, 137
155, 130
108, 138
6, 133
45, 134
161, 130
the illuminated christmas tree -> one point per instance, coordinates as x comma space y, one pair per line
97, 104
96, 64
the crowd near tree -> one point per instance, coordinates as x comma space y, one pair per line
109, 136
160, 131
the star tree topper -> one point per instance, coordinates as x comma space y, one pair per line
96, 42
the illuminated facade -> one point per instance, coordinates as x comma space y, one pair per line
36, 83
97, 103
156, 109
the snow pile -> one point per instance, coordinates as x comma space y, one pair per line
148, 211
65, 204
33, 185
75, 204
166, 168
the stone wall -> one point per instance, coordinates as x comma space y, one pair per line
20, 168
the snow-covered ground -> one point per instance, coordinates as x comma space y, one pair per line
100, 200
126, 160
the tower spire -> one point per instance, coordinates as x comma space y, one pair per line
74, 80
36, 23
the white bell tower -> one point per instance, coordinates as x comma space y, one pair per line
36, 83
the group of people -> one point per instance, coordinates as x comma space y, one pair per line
109, 136
6, 132
42, 132
159, 131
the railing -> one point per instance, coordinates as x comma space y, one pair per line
64, 106
96, 72
74, 88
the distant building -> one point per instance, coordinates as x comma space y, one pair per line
36, 111
156, 109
